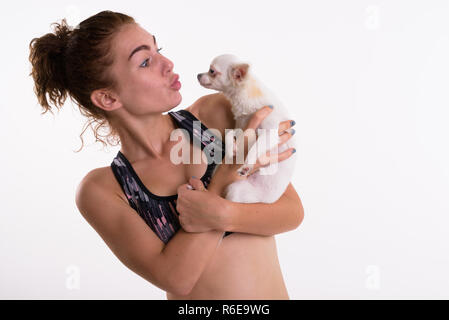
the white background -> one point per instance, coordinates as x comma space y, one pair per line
367, 83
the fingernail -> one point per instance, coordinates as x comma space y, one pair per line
293, 122
270, 106
294, 150
293, 131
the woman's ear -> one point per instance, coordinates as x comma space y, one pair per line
105, 100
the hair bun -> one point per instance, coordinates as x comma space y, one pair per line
47, 57
62, 32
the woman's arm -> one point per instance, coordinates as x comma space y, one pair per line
204, 211
174, 267
266, 219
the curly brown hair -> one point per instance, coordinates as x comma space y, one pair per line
74, 62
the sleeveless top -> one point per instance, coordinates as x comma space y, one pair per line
159, 212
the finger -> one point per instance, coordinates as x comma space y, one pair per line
270, 158
197, 184
182, 188
258, 116
285, 154
283, 138
284, 125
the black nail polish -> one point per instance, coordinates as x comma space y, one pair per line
293, 131
270, 106
293, 122
294, 150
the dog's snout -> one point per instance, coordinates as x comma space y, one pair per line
199, 76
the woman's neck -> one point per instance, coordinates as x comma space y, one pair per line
145, 137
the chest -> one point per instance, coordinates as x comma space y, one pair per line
162, 177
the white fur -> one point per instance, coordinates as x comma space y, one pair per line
262, 186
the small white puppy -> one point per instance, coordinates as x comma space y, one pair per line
234, 78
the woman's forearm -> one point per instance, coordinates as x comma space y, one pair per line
266, 219
187, 255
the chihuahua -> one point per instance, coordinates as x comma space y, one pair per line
235, 79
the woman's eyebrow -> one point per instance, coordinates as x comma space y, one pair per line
142, 47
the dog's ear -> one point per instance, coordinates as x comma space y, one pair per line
239, 72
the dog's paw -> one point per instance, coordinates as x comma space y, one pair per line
244, 170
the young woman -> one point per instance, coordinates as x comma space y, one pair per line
190, 242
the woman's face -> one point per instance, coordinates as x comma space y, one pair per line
143, 76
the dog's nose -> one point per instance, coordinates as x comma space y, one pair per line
199, 76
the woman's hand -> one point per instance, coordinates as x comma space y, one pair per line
199, 209
227, 173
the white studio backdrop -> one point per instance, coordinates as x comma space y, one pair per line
367, 83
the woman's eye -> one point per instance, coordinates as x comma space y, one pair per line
145, 63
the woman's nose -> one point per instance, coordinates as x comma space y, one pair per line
168, 65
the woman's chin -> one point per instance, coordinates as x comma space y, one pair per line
175, 102
178, 101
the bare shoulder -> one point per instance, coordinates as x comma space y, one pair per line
98, 179
99, 176
214, 110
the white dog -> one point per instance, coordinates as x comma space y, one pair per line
234, 78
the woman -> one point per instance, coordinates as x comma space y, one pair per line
113, 70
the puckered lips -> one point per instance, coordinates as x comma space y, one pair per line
175, 84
